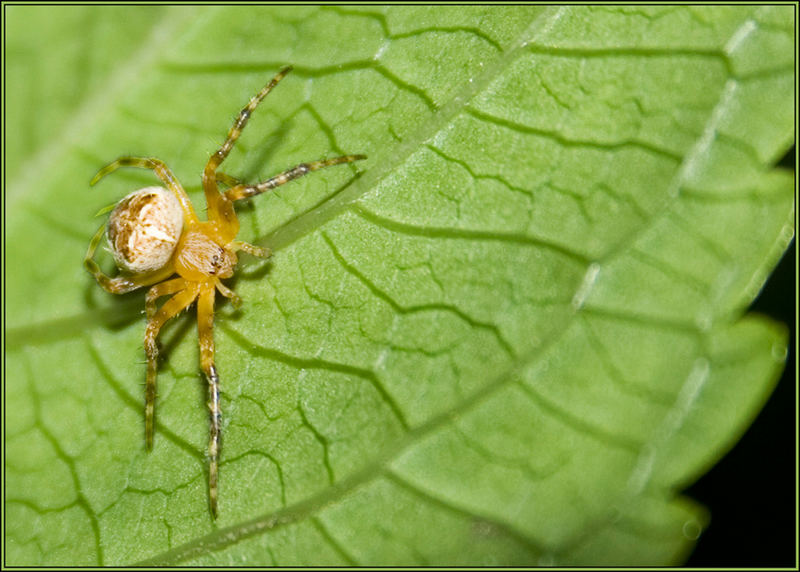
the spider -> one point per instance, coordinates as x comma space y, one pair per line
154, 233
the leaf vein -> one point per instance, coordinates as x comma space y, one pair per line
333, 542
567, 142
68, 460
380, 294
465, 234
317, 363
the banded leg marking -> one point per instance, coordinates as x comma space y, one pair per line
205, 325
246, 191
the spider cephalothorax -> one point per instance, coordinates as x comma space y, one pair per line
155, 234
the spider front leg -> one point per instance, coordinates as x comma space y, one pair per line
185, 293
219, 208
205, 331
246, 191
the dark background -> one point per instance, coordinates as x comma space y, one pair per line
752, 491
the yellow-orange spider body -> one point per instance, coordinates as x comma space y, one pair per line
154, 234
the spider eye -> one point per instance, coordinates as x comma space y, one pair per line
144, 229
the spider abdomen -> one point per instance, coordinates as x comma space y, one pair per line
200, 257
144, 229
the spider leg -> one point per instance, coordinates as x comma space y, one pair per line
251, 249
205, 330
120, 284
209, 175
162, 172
185, 293
219, 207
246, 191
228, 180
235, 299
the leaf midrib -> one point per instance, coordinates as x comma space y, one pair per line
340, 202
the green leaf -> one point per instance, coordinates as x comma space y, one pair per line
513, 335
